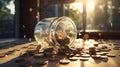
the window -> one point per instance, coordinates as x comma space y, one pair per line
105, 16
7, 12
102, 16
56, 10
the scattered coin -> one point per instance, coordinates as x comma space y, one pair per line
99, 53
102, 53
96, 56
70, 54
64, 61
86, 51
77, 55
85, 55
104, 57
73, 58
84, 59
111, 55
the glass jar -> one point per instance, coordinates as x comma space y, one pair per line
57, 31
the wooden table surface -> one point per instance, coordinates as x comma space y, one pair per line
11, 57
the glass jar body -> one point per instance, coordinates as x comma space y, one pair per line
58, 31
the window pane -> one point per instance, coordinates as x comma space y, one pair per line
74, 11
7, 12
102, 15
50, 10
70, 10
105, 16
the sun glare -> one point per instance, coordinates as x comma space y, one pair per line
90, 5
11, 6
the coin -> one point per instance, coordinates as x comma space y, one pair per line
85, 55
84, 59
96, 56
73, 58
104, 57
111, 55
64, 61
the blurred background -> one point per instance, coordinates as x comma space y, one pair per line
98, 18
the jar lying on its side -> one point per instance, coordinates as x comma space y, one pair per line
57, 31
